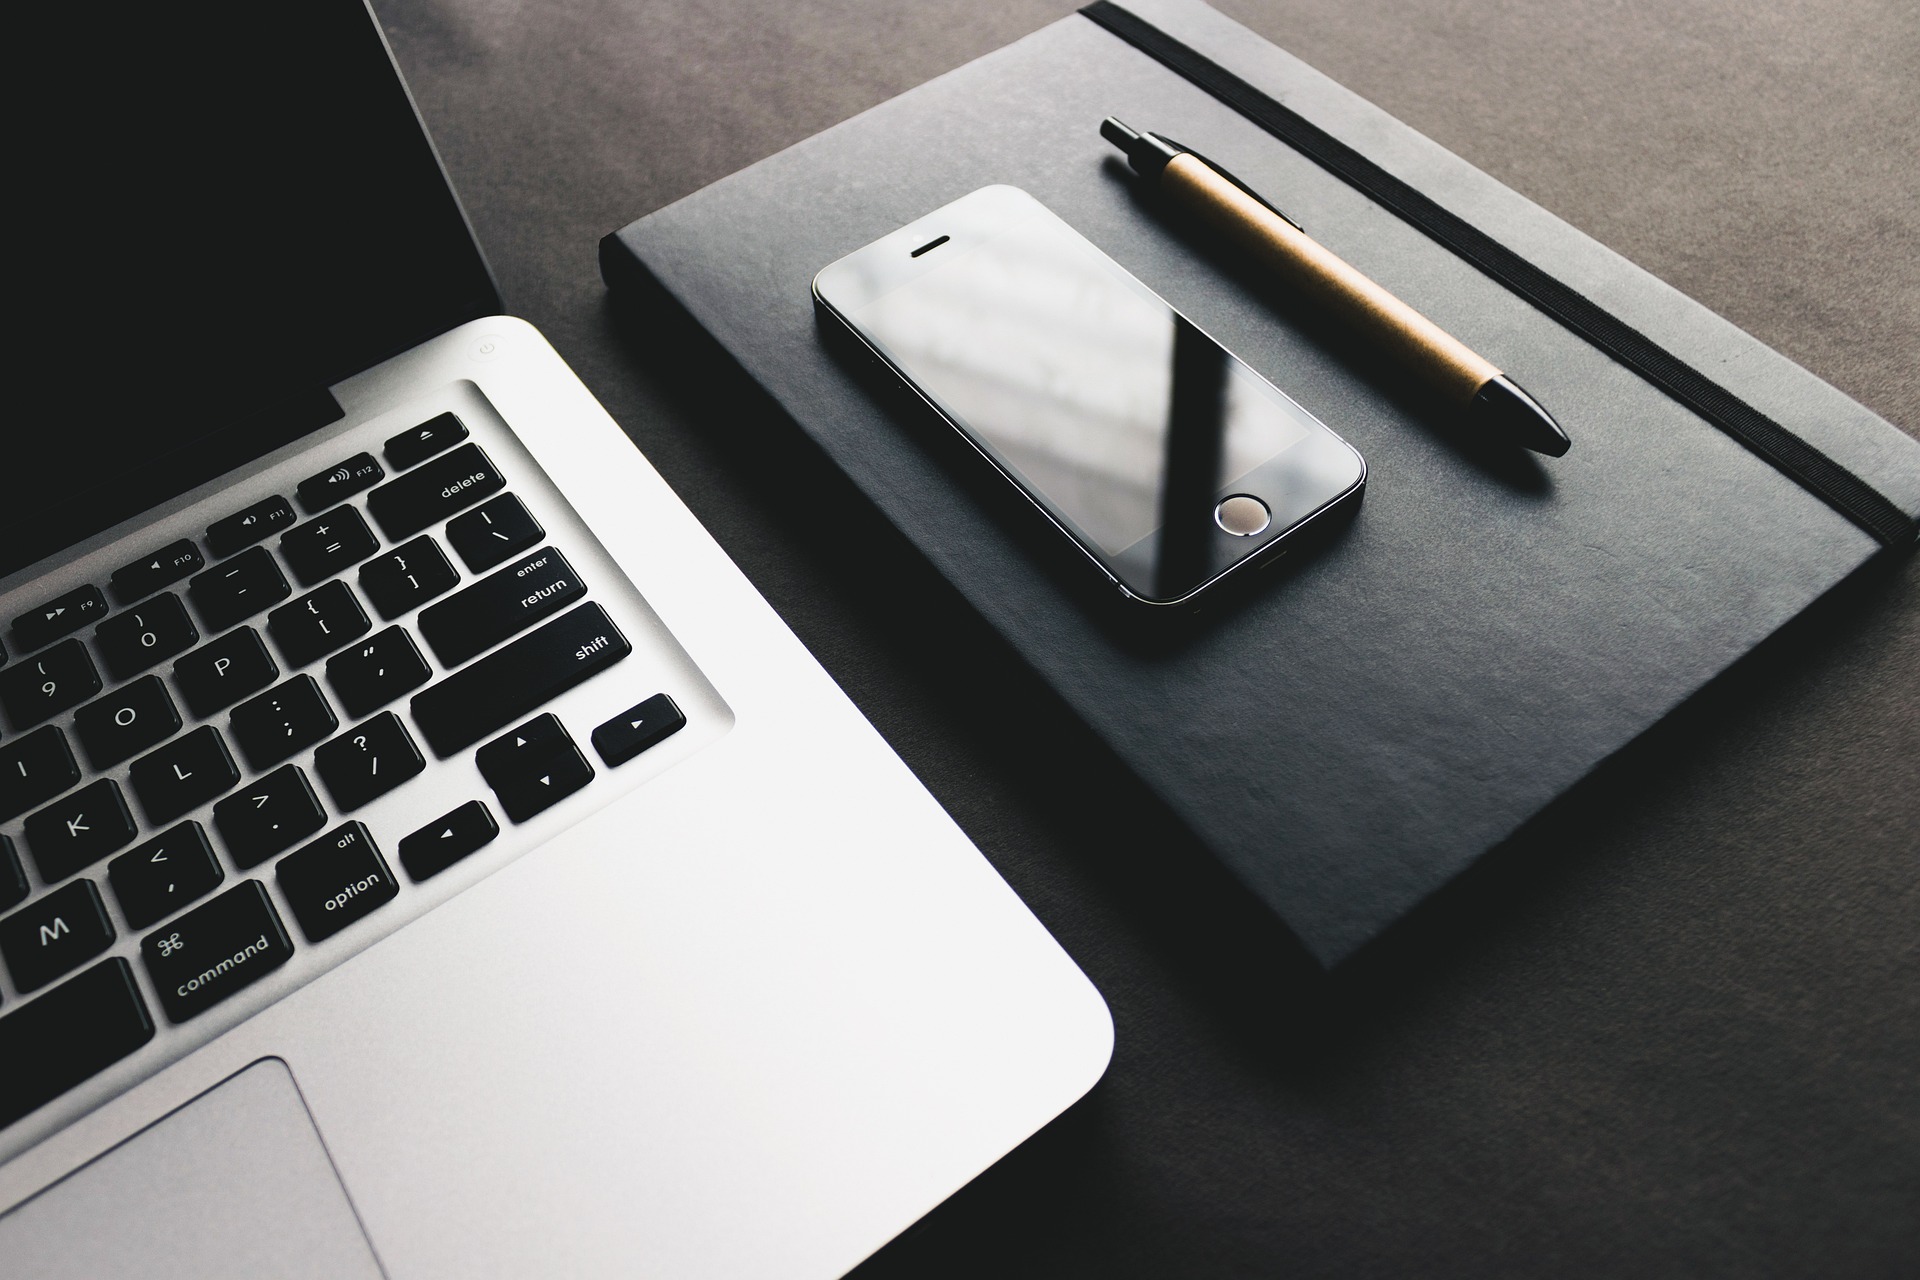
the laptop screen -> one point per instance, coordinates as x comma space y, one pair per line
218, 211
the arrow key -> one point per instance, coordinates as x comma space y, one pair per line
637, 728
533, 767
447, 839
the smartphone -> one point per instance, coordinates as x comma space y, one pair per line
1162, 457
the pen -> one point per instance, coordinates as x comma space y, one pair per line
1489, 402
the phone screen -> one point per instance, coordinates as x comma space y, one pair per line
1069, 376
1122, 418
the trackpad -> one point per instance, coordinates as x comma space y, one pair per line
235, 1183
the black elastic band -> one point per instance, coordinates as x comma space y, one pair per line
1820, 475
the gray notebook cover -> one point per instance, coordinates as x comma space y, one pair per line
1369, 723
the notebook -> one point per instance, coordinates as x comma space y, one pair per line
1491, 628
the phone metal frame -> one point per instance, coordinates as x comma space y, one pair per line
889, 263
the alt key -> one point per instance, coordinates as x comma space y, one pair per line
336, 880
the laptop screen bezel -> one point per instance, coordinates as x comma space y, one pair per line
44, 520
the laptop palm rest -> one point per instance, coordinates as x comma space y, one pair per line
235, 1183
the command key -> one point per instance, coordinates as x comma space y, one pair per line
216, 949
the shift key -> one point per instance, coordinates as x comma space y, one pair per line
216, 949
505, 685
532, 588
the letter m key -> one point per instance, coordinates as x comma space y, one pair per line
50, 933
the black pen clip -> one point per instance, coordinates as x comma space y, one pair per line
1275, 209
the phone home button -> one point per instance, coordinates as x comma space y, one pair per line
1242, 515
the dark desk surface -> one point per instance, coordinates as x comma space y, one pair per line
1674, 1028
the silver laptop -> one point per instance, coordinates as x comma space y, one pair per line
422, 853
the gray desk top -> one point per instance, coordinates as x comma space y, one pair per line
1674, 1028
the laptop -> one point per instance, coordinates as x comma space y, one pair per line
422, 852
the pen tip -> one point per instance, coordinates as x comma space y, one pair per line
1501, 410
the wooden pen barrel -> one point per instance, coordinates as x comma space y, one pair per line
1447, 366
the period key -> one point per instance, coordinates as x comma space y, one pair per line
216, 949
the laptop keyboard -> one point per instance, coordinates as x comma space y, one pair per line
214, 768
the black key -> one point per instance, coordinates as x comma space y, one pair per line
533, 767
434, 436
46, 685
321, 548
156, 879
267, 817
219, 674
336, 484
59, 616
55, 935
126, 722
317, 623
366, 762
407, 577
137, 581
216, 949
336, 880
493, 531
183, 775
499, 605
376, 671
499, 688
444, 486
287, 718
238, 589
132, 641
67, 1036
33, 770
13, 877
441, 843
79, 830
637, 728
244, 528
